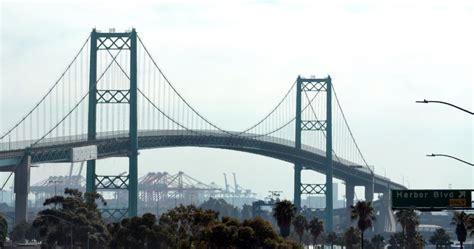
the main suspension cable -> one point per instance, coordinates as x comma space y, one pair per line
48, 92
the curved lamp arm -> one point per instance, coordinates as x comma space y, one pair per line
445, 103
455, 158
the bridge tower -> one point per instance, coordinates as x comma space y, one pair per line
108, 42
307, 85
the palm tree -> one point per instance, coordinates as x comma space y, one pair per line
315, 228
409, 220
283, 212
460, 219
405, 217
440, 238
300, 223
363, 211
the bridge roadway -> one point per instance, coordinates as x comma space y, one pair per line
112, 145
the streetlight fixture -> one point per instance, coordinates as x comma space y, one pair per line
55, 183
457, 107
453, 157
445, 103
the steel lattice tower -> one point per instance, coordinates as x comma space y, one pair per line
307, 85
114, 41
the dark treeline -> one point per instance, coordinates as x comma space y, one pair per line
74, 221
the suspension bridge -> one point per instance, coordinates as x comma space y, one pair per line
113, 100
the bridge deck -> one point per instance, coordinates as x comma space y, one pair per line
116, 144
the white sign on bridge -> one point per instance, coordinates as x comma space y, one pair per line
85, 153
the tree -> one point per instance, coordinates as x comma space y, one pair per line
397, 240
222, 235
315, 228
3, 230
221, 207
191, 227
19, 232
263, 230
24, 231
331, 238
460, 219
365, 213
418, 241
409, 220
245, 237
368, 244
137, 232
300, 223
184, 225
351, 237
284, 211
470, 224
340, 241
378, 241
406, 217
72, 217
440, 238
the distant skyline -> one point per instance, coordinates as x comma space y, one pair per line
235, 60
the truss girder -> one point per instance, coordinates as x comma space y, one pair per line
56, 154
113, 43
313, 189
314, 85
313, 125
113, 96
111, 182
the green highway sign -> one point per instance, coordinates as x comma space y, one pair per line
432, 199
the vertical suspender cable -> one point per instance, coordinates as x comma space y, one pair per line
101, 107
38, 120
150, 89
63, 106
168, 105
76, 79
154, 97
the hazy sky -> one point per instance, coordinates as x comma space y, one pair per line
234, 60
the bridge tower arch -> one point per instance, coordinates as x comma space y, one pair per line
114, 41
307, 85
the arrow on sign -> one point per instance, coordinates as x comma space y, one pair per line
462, 194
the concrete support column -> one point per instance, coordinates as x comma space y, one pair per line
297, 187
369, 192
21, 189
350, 189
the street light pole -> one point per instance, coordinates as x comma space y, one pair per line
55, 187
445, 103
453, 157
457, 107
